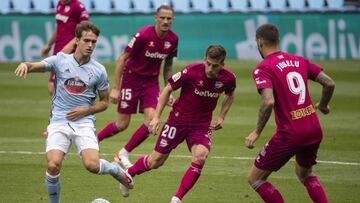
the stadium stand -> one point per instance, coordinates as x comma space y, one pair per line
122, 6
42, 6
239, 5
4, 6
200, 6
21, 6
184, 6
220, 6
102, 6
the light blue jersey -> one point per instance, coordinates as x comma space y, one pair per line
75, 85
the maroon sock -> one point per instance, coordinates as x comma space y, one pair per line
109, 130
139, 167
315, 189
137, 138
189, 179
268, 192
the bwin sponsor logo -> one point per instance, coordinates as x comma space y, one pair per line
155, 55
206, 93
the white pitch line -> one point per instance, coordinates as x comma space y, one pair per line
187, 156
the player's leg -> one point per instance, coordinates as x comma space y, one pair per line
305, 160
199, 155
52, 179
114, 127
139, 136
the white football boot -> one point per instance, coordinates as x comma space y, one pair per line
122, 160
124, 178
175, 199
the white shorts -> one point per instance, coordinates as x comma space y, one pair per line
61, 136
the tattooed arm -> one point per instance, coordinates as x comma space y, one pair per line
327, 92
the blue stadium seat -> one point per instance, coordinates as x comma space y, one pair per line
122, 6
88, 5
201, 6
158, 3
142, 6
316, 5
181, 6
239, 5
42, 6
278, 5
335, 4
102, 6
220, 5
297, 5
258, 5
4, 6
21, 6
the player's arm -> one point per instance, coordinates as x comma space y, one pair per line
119, 69
46, 49
82, 111
267, 103
327, 92
26, 67
225, 106
167, 73
163, 99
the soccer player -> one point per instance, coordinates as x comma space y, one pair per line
69, 13
190, 119
281, 80
78, 78
136, 78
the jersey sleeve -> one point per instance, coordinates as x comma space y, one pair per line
313, 70
179, 78
262, 78
103, 83
174, 53
231, 86
50, 62
81, 13
136, 43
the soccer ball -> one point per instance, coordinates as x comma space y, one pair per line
100, 200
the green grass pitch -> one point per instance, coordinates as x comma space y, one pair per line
24, 109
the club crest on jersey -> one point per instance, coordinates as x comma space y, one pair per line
124, 104
163, 143
167, 45
67, 9
201, 83
218, 84
75, 86
151, 44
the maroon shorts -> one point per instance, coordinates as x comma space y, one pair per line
137, 89
278, 151
172, 135
52, 77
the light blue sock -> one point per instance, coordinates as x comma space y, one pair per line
108, 168
53, 187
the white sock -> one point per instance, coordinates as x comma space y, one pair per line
124, 152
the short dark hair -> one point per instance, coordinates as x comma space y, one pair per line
86, 26
269, 33
216, 52
166, 7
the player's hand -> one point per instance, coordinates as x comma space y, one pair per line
21, 70
154, 125
114, 96
324, 109
77, 113
217, 124
171, 100
45, 51
250, 139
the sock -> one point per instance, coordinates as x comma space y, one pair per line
53, 187
189, 179
107, 168
137, 138
124, 152
315, 189
139, 167
267, 192
109, 130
